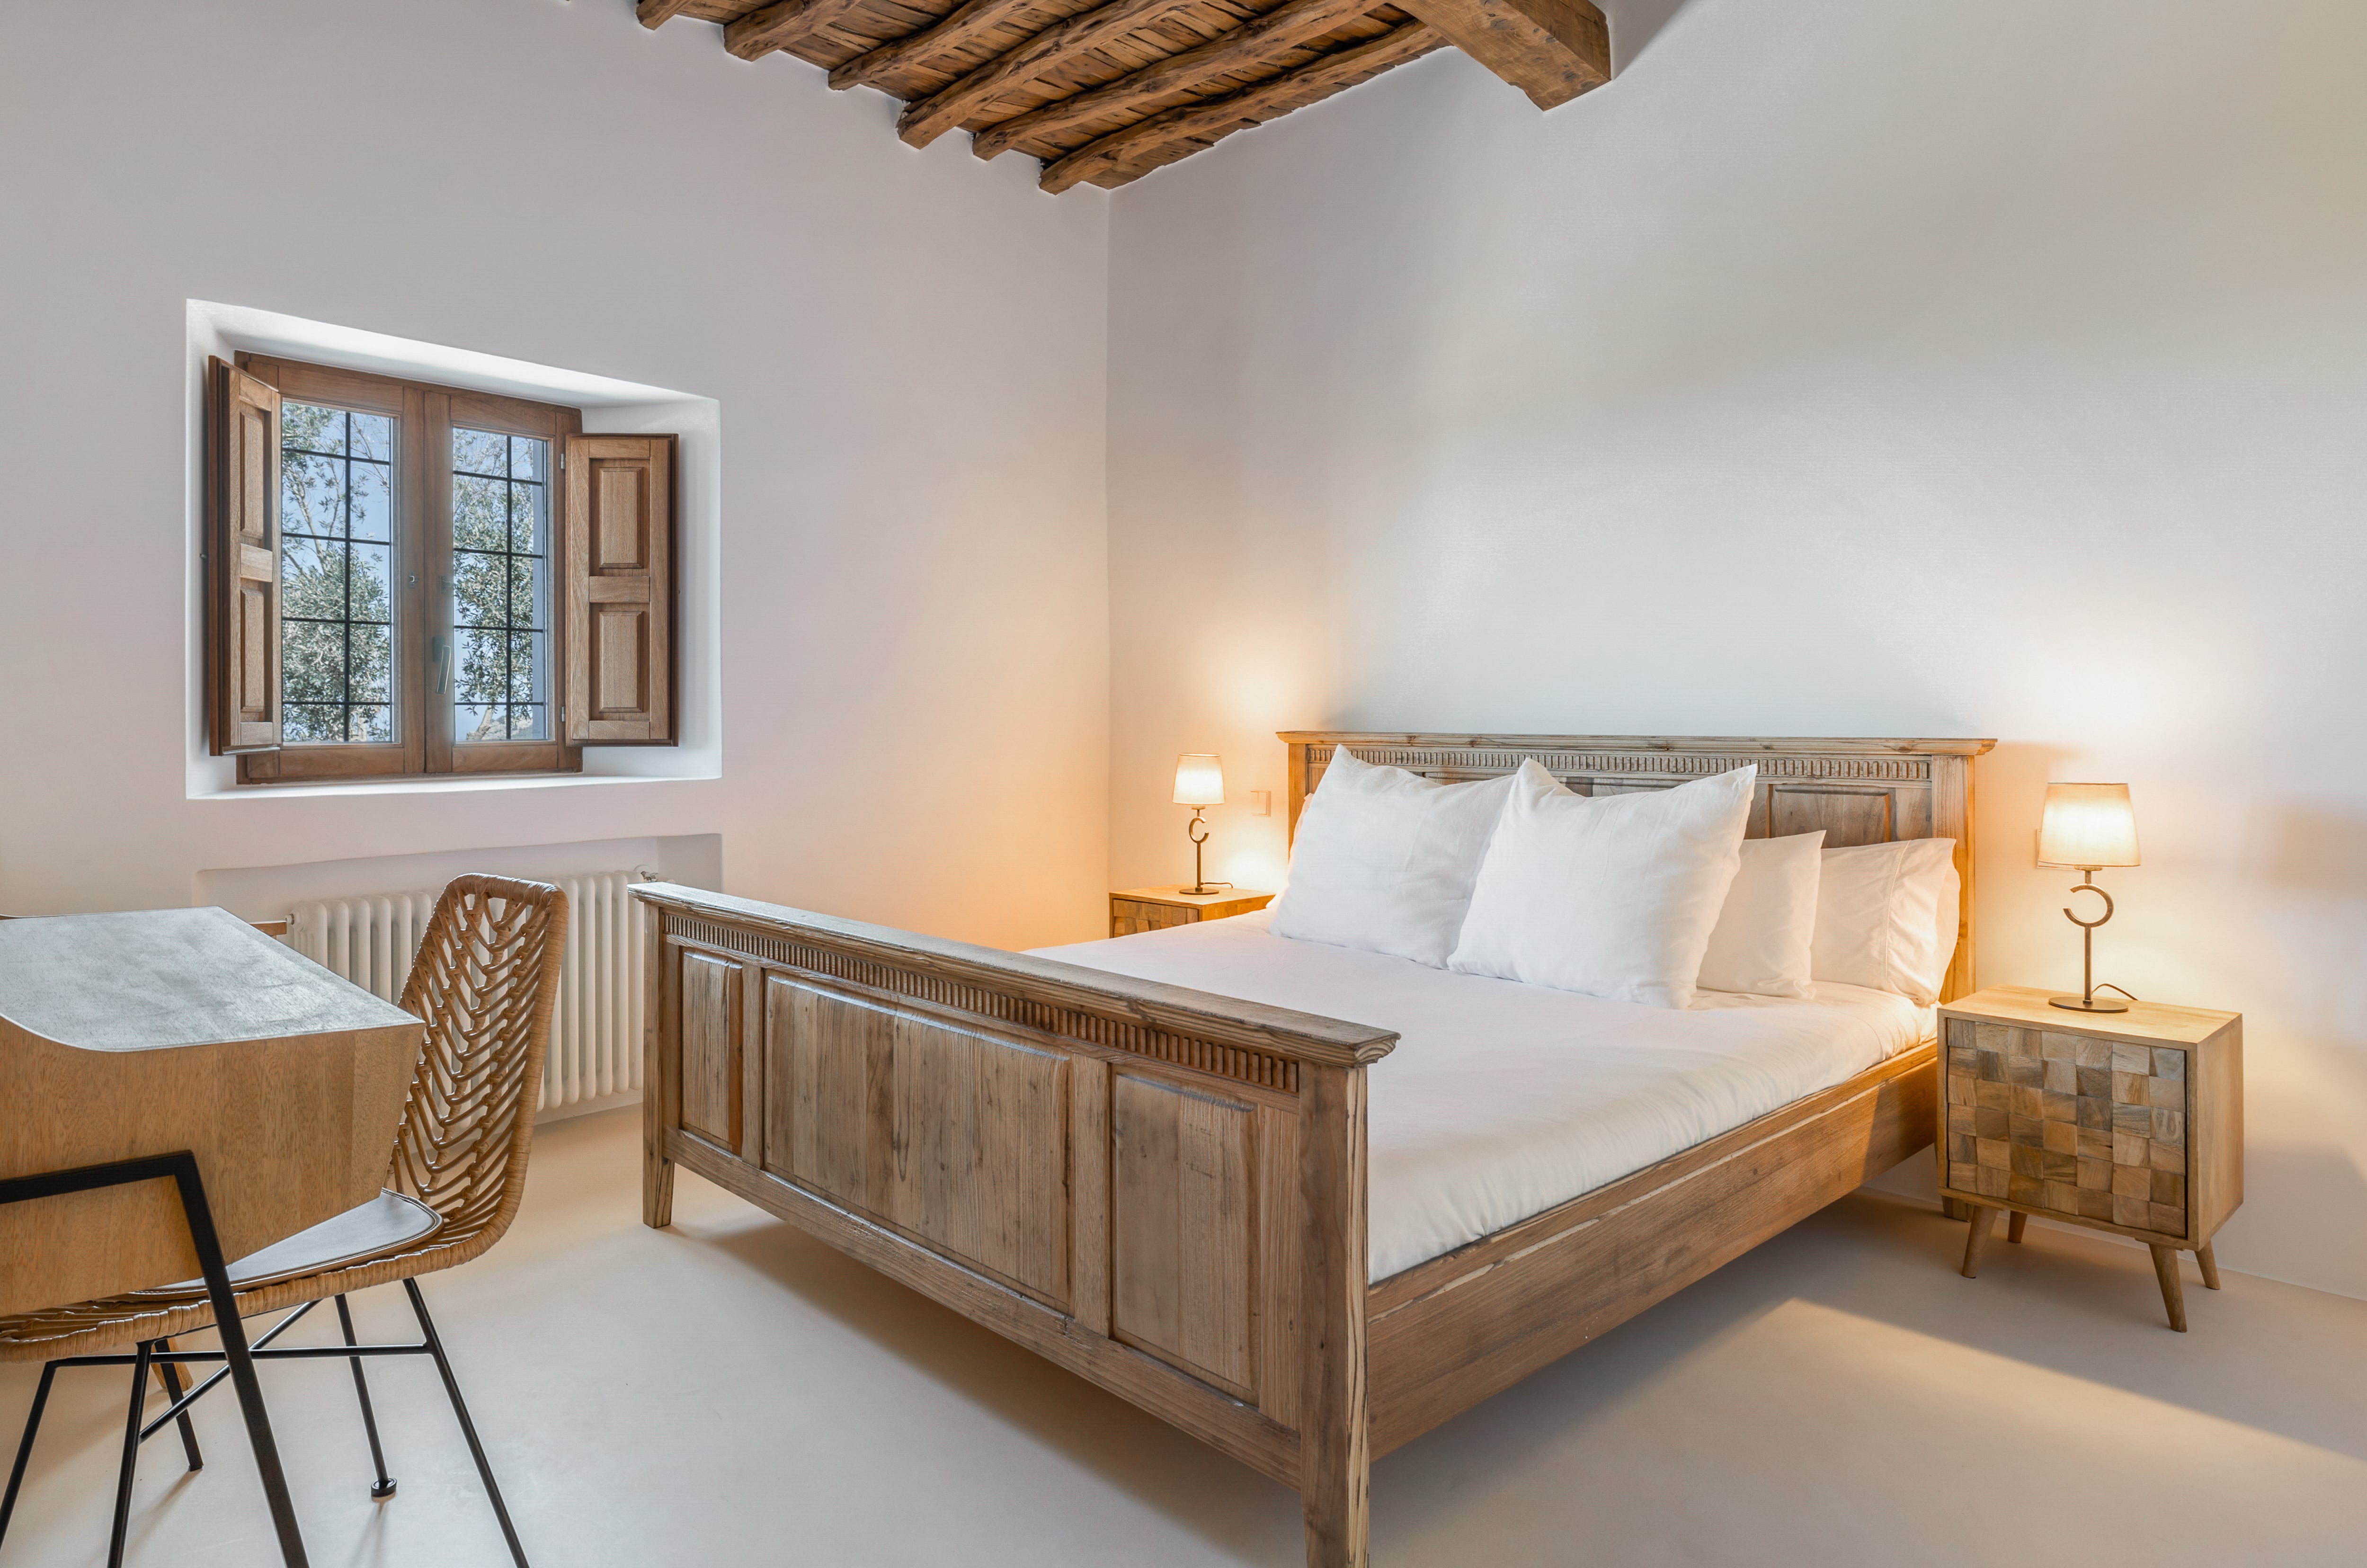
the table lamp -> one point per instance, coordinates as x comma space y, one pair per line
2087, 827
1200, 783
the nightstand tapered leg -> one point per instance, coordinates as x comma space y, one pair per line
2173, 1294
1977, 1239
2210, 1267
2015, 1226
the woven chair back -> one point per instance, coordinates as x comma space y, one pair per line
485, 980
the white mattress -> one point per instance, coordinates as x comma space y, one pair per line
1504, 1099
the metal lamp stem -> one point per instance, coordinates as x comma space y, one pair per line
2085, 1001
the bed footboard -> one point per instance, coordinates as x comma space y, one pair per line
1161, 1189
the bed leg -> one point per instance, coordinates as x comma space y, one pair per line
1335, 1451
658, 1072
657, 1190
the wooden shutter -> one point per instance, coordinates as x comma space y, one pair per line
620, 613
242, 561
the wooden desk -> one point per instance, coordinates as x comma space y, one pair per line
137, 1034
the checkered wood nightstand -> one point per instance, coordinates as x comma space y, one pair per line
1152, 909
2129, 1123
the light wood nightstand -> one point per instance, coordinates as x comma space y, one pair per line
2129, 1123
1152, 909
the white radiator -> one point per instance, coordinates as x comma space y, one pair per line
595, 1030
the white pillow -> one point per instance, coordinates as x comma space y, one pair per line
1384, 860
1760, 942
1881, 909
1612, 896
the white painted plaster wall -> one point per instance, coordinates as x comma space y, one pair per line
907, 349
1845, 366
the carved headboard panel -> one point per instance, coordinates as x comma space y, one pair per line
1858, 791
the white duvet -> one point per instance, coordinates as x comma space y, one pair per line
1504, 1099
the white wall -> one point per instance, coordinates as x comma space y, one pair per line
907, 348
1844, 367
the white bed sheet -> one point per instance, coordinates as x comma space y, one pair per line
1504, 1099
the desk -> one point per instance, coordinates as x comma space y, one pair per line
138, 1034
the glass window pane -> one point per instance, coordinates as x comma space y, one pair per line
311, 662
473, 721
337, 600
482, 673
479, 451
478, 599
311, 496
372, 437
525, 723
529, 512
480, 513
371, 501
312, 579
525, 666
309, 427
371, 668
303, 724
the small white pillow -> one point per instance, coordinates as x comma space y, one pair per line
1384, 860
1610, 896
1760, 943
1880, 911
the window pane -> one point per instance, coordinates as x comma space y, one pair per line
501, 584
480, 513
336, 639
370, 504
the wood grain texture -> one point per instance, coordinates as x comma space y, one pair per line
243, 659
1128, 154
1335, 1436
658, 13
1155, 909
136, 1034
964, 26
788, 25
1859, 790
1258, 44
620, 679
711, 990
1184, 1245
969, 96
660, 1072
1551, 50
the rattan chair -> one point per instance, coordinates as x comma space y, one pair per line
485, 980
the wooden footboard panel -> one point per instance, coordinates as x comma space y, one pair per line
1159, 1189
1451, 1332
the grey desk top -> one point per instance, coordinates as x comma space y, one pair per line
151, 979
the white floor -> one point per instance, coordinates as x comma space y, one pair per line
731, 1392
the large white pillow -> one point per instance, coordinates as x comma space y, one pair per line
1767, 924
1384, 860
1881, 910
1610, 896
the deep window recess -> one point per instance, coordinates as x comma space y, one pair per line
393, 586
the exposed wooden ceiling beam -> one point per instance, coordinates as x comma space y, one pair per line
966, 26
925, 121
1256, 42
782, 26
1134, 152
658, 13
1551, 50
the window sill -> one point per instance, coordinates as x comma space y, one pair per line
438, 785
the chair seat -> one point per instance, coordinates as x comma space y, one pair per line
385, 1223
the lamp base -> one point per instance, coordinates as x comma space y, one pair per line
1204, 889
2088, 1003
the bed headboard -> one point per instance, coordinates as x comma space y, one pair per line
1867, 790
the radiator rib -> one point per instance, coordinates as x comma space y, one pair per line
595, 1028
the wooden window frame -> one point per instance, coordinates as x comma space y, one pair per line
424, 415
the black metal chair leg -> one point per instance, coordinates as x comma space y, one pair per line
140, 1364
172, 1375
468, 1428
384, 1486
25, 1446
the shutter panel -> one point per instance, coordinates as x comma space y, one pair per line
242, 561
620, 621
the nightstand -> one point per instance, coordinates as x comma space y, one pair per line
2129, 1122
1153, 909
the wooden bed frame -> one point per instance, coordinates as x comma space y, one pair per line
1163, 1190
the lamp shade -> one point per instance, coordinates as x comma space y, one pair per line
1199, 779
2087, 825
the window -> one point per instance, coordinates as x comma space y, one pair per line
407, 579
